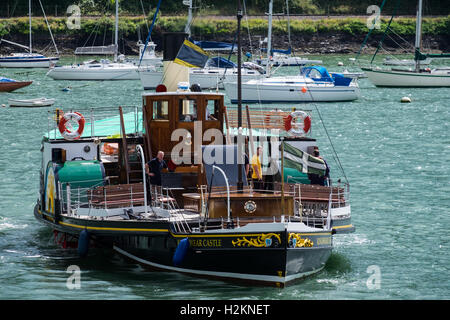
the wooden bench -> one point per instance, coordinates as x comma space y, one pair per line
116, 196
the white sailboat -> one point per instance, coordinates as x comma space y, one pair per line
419, 77
28, 59
313, 84
283, 58
98, 70
214, 74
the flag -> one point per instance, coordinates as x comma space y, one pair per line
302, 161
191, 56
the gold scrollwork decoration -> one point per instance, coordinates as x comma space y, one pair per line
264, 240
296, 241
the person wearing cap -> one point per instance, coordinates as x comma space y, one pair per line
315, 178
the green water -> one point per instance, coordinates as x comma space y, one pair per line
396, 157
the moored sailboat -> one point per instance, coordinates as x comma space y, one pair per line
419, 77
28, 59
98, 70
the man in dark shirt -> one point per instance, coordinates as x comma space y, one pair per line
154, 167
315, 178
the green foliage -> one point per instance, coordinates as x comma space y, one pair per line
209, 27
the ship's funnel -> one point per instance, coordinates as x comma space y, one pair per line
173, 73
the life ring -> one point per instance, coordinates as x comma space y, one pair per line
68, 134
294, 129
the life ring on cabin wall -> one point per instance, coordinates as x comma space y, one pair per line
294, 128
69, 134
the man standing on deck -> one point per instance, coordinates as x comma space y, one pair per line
154, 167
315, 178
258, 183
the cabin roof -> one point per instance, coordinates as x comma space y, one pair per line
183, 93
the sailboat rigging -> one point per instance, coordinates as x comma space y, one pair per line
29, 59
419, 77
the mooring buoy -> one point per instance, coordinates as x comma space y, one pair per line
405, 100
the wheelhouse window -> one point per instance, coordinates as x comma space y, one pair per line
212, 110
187, 110
161, 110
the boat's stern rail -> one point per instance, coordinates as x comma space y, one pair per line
163, 198
339, 195
98, 122
116, 196
100, 200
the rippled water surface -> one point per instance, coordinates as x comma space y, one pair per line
396, 157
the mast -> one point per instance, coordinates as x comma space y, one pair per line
288, 23
187, 28
418, 35
116, 32
269, 39
240, 184
29, 16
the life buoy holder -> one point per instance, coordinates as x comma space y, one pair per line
295, 128
69, 134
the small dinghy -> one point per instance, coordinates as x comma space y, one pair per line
8, 85
38, 102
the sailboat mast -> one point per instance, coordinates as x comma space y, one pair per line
187, 28
240, 183
269, 38
116, 32
288, 23
418, 35
29, 16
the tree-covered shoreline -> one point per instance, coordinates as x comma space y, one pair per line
11, 8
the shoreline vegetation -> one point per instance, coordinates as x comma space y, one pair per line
309, 34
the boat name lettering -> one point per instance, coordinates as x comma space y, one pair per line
205, 242
324, 240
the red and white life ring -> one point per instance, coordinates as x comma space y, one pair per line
297, 128
69, 134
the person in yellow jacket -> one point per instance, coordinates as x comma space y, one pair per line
258, 183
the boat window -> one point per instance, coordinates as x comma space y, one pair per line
187, 110
212, 110
161, 110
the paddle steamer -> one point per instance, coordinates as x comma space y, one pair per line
205, 219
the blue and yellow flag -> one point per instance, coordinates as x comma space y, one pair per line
191, 56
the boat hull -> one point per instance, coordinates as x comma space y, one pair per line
382, 78
11, 86
273, 254
283, 92
33, 103
27, 63
63, 73
288, 62
150, 80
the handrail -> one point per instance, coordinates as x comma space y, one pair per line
228, 192
141, 151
